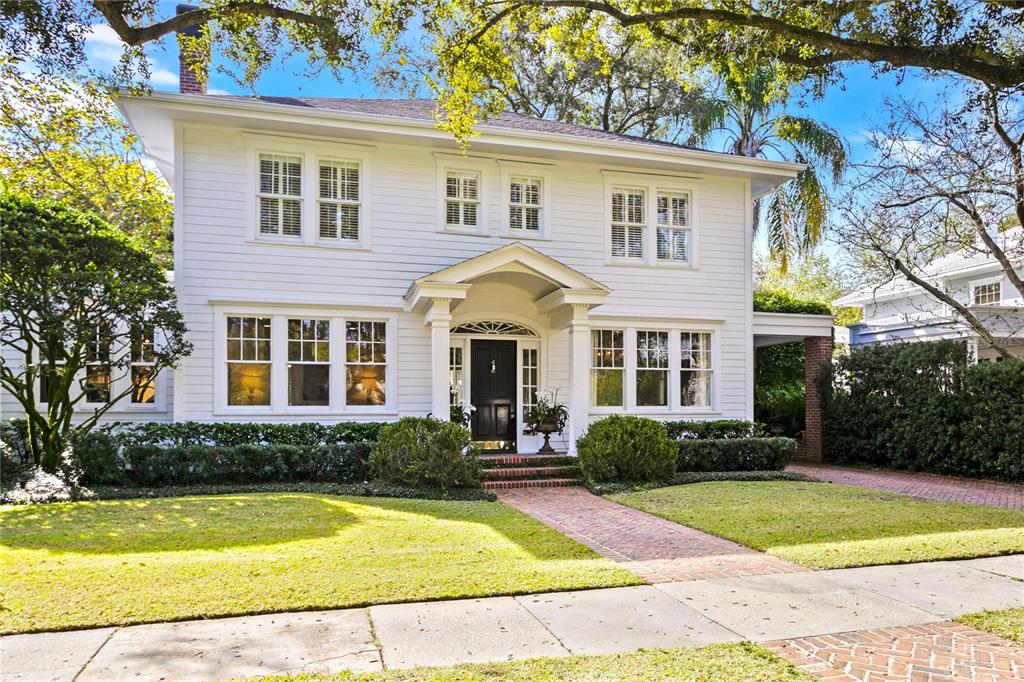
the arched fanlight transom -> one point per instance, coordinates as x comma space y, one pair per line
494, 327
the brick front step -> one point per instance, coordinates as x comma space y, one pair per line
506, 473
521, 459
533, 483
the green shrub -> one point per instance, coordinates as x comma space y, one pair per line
368, 489
229, 434
99, 457
717, 428
688, 477
780, 301
780, 407
421, 451
919, 406
736, 454
626, 448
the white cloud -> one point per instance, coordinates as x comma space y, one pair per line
162, 76
103, 46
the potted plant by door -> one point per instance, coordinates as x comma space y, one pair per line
547, 416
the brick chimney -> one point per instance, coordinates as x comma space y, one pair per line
189, 81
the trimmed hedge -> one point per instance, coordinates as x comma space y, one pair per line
714, 429
422, 451
626, 448
369, 489
688, 477
919, 406
229, 434
783, 302
736, 454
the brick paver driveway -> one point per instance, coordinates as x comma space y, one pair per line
929, 486
657, 550
919, 653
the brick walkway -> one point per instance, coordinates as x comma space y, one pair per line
930, 486
918, 653
657, 550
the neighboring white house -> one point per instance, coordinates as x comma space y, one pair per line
343, 260
901, 311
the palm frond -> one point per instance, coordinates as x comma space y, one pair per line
817, 140
778, 232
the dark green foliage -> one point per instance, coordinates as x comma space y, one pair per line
717, 428
687, 477
152, 465
421, 451
736, 454
303, 434
780, 407
919, 406
98, 455
784, 302
368, 489
626, 448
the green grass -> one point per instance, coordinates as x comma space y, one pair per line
823, 525
89, 564
1008, 624
743, 662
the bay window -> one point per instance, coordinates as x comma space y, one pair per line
309, 362
248, 360
607, 368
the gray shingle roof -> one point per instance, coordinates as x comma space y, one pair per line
423, 110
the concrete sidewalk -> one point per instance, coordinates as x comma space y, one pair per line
766, 607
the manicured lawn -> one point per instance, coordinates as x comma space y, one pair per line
823, 525
90, 564
744, 662
1008, 624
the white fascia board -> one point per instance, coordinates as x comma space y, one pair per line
792, 325
779, 171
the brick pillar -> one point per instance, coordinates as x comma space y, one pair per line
191, 77
817, 350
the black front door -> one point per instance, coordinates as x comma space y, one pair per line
493, 393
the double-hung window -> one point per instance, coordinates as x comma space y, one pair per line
652, 369
673, 228
338, 203
280, 195
987, 294
309, 362
462, 199
365, 362
628, 222
695, 369
248, 359
607, 368
525, 204
97, 367
143, 362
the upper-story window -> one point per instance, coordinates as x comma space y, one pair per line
525, 204
280, 195
338, 204
462, 199
986, 294
673, 230
628, 222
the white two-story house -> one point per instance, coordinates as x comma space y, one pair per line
340, 259
900, 311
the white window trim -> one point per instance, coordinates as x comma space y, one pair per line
311, 152
451, 163
675, 406
652, 185
279, 361
610, 409
542, 173
974, 283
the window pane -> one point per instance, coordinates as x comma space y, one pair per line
515, 218
248, 383
696, 388
606, 387
97, 384
365, 385
652, 387
143, 385
469, 214
308, 384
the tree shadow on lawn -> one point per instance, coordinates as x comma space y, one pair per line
173, 524
218, 522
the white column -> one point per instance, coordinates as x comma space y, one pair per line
439, 318
579, 373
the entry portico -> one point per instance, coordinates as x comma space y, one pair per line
520, 294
